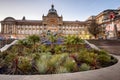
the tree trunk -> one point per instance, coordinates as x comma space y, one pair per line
95, 36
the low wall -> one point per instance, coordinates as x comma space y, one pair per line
7, 46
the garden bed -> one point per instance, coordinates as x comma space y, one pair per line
30, 57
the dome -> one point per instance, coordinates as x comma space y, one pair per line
9, 19
52, 10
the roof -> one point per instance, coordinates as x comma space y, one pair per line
74, 23
29, 22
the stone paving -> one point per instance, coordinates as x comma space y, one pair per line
108, 73
112, 46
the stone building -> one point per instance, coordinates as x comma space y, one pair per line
12, 28
109, 21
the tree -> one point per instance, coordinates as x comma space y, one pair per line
21, 45
24, 42
94, 29
77, 41
53, 39
68, 40
73, 42
34, 39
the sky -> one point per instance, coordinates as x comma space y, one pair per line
71, 10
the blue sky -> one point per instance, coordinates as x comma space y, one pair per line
70, 9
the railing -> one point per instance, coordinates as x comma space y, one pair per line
8, 45
3, 42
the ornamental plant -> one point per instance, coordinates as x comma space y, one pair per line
25, 64
33, 56
84, 67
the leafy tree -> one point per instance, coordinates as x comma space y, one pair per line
22, 44
68, 40
34, 39
77, 41
94, 29
74, 41
52, 39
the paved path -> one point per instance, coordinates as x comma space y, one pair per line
112, 46
108, 73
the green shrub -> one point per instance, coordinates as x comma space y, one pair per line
102, 52
87, 57
104, 59
45, 56
42, 66
58, 49
70, 64
14, 49
44, 48
25, 64
43, 61
84, 67
3, 54
61, 69
54, 61
113, 60
27, 51
58, 59
9, 58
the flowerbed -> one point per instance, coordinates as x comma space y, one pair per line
31, 57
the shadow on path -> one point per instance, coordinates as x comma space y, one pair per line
112, 46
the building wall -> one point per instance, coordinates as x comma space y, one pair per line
108, 20
12, 28
16, 29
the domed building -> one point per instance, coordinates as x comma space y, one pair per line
52, 22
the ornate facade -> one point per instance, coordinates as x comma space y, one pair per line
10, 27
109, 21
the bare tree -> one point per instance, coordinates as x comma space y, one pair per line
94, 28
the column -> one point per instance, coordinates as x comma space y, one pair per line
31, 29
7, 29
4, 30
20, 29
26, 29
12, 26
